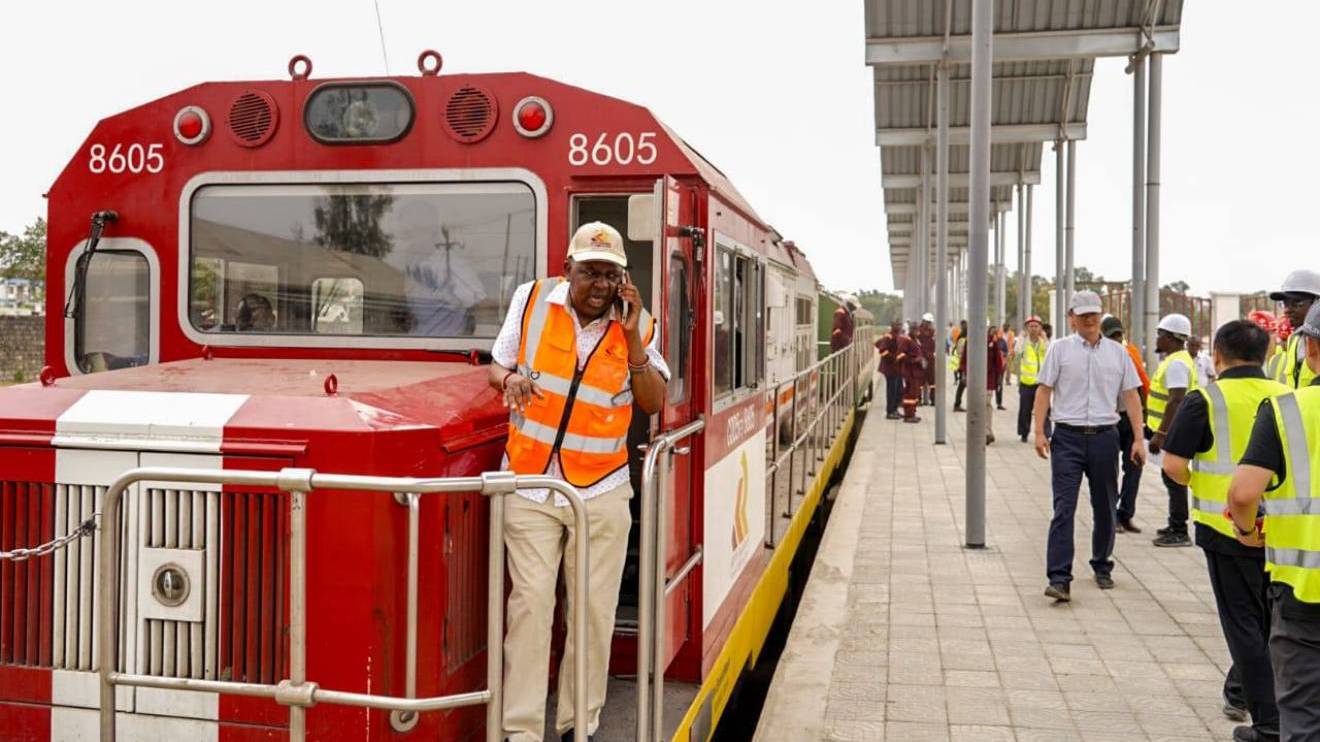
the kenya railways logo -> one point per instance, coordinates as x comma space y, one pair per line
740, 506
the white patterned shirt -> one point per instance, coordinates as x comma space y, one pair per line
505, 353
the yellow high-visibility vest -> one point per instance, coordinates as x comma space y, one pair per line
1033, 355
1292, 511
1231, 406
1159, 393
1291, 371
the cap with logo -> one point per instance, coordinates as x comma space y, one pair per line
598, 241
1033, 318
1177, 324
1311, 328
1298, 282
1086, 302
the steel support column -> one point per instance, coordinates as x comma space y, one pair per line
1001, 269
978, 226
1028, 288
922, 243
941, 249
1153, 208
1069, 260
1060, 298
1136, 332
1024, 295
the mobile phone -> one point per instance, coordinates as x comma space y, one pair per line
623, 305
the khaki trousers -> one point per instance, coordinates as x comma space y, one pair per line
538, 538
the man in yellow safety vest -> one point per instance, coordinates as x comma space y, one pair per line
1281, 466
1175, 376
1028, 355
1205, 440
1298, 294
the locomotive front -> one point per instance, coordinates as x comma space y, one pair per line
262, 275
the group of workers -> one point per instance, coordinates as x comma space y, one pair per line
1238, 432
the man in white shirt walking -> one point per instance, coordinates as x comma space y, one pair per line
1083, 380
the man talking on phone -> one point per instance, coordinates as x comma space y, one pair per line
574, 353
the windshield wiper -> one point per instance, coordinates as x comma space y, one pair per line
74, 306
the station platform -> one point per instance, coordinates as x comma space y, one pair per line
904, 635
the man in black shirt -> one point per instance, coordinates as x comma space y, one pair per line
1194, 454
1290, 536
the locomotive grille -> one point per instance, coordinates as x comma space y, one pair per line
181, 519
466, 543
470, 114
254, 577
253, 118
26, 517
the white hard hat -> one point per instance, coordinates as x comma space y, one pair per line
850, 300
1178, 324
927, 317
1299, 282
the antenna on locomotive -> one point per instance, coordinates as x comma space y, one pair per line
74, 307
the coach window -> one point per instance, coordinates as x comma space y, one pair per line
114, 327
676, 324
740, 321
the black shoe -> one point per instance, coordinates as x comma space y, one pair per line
893, 416
1001, 407
1022, 438
1059, 591
1173, 538
1163, 531
1251, 734
913, 419
1234, 712
1126, 524
1104, 582
568, 737
958, 409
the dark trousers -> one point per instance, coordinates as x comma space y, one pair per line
1026, 401
962, 387
893, 393
999, 393
1127, 492
1295, 655
1177, 504
1072, 455
1240, 585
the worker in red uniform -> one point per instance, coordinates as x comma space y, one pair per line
910, 359
994, 371
926, 339
841, 335
889, 346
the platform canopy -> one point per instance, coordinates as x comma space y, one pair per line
1044, 52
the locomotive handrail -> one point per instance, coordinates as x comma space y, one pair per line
296, 691
651, 588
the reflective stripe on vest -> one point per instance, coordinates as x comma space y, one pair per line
1033, 355
1292, 510
1232, 404
1159, 393
585, 412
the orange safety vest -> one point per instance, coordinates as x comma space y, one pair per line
584, 416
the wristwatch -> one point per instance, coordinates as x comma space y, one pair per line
1238, 530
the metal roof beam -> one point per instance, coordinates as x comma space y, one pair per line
955, 207
908, 228
1022, 46
961, 180
1001, 134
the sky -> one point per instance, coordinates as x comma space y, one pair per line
777, 95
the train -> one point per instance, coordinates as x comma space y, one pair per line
305, 274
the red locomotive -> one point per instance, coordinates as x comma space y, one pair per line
308, 272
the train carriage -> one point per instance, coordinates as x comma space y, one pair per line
310, 273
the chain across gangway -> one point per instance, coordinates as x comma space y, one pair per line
296, 691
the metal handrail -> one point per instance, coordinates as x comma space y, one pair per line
651, 584
297, 692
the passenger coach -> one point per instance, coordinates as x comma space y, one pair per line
309, 273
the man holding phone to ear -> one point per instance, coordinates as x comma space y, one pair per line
574, 353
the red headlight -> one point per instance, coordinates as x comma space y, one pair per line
533, 116
191, 125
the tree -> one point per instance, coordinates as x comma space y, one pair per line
885, 307
24, 256
1177, 287
352, 224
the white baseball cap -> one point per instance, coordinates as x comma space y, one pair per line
1298, 282
598, 241
1086, 302
1178, 324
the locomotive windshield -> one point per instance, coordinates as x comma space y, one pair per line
415, 260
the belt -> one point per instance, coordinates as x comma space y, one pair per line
1085, 429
